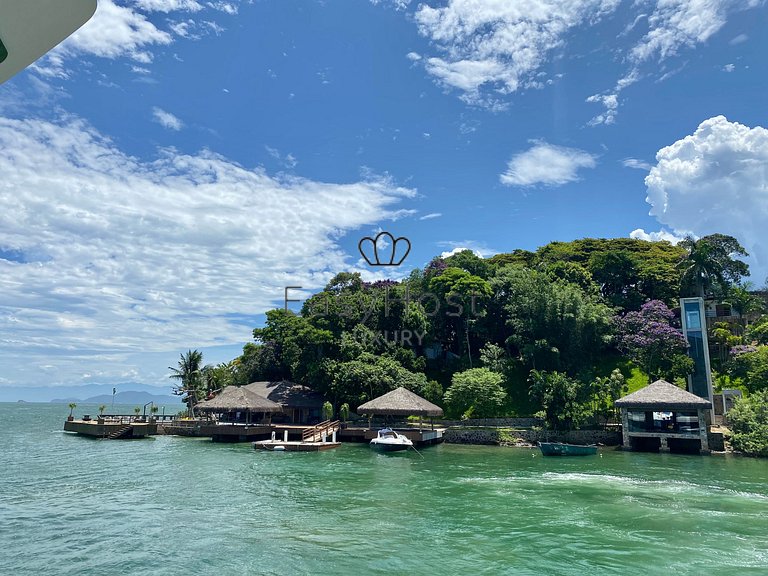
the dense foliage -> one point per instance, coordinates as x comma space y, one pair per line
749, 423
513, 334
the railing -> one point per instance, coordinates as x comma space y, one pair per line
317, 431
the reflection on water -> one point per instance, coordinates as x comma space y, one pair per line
173, 505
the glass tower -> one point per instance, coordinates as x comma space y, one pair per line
695, 332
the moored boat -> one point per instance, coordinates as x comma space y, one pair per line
562, 449
387, 440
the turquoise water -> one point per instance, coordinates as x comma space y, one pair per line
170, 505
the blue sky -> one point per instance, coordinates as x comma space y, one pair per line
176, 163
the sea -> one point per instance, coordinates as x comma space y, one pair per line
170, 505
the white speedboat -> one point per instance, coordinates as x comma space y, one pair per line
388, 440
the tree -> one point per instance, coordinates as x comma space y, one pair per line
749, 423
190, 386
618, 276
367, 377
476, 392
72, 407
605, 392
758, 332
650, 341
709, 264
469, 261
564, 401
744, 303
750, 364
296, 345
553, 325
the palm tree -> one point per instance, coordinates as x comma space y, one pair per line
710, 263
189, 376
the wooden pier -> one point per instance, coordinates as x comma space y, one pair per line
114, 428
313, 439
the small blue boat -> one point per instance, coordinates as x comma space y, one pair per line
561, 449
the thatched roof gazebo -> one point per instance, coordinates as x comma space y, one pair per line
238, 399
665, 413
400, 402
661, 395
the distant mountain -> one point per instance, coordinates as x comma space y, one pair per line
128, 397
71, 393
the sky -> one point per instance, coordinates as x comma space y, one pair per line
172, 166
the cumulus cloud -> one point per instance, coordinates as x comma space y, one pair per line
166, 119
671, 237
546, 164
103, 255
715, 180
454, 247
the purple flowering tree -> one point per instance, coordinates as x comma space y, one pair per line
648, 338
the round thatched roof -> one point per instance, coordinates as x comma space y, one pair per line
664, 396
287, 394
400, 402
236, 398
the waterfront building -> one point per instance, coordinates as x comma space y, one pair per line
240, 415
663, 417
300, 405
402, 402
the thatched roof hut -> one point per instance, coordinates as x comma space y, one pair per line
287, 394
662, 396
400, 402
234, 398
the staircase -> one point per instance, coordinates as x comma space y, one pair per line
315, 434
121, 432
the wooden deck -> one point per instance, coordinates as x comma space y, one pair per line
111, 429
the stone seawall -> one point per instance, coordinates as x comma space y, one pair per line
493, 422
511, 437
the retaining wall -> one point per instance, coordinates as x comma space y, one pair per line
507, 437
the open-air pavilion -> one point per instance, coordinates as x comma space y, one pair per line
662, 416
240, 414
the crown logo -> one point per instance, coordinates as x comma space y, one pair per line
369, 247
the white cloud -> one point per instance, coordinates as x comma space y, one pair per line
478, 248
226, 7
120, 30
457, 250
430, 216
546, 164
738, 39
168, 5
671, 237
672, 26
715, 180
499, 45
289, 160
729, 68
166, 119
115, 256
635, 163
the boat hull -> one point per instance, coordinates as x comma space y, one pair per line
560, 449
387, 447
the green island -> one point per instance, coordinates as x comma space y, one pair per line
554, 336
